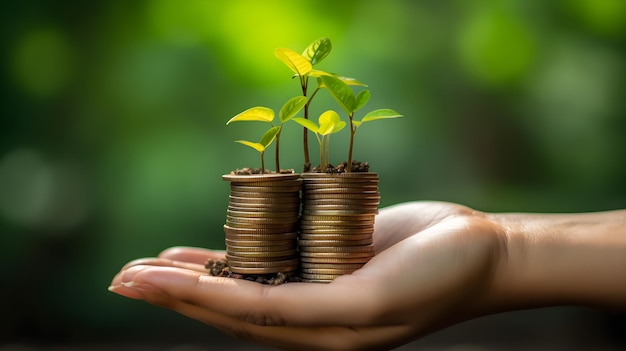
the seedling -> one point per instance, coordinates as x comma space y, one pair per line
266, 114
351, 103
302, 66
329, 123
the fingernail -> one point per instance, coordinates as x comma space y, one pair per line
141, 287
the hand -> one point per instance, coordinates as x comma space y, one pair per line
433, 267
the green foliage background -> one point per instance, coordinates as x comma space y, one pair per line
113, 136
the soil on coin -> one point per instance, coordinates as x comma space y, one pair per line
251, 171
357, 166
219, 268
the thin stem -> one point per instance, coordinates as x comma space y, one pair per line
305, 135
328, 149
277, 149
352, 132
262, 162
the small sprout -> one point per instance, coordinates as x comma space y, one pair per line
262, 145
265, 114
350, 103
329, 123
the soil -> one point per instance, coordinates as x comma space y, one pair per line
341, 168
250, 171
219, 268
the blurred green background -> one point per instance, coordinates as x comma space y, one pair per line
113, 136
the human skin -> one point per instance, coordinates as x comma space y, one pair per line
436, 264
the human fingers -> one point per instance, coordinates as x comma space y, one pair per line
191, 254
286, 337
349, 300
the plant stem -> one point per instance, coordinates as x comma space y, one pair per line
328, 149
352, 131
277, 149
262, 162
305, 135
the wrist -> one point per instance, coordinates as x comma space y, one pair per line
561, 259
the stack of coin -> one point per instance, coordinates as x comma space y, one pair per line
261, 223
336, 224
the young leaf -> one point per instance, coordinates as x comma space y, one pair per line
294, 61
257, 146
306, 123
291, 107
269, 136
351, 81
317, 51
341, 92
361, 99
259, 113
330, 123
383, 113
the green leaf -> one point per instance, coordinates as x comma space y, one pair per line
384, 113
317, 51
258, 147
318, 73
307, 123
296, 62
291, 107
351, 81
361, 99
328, 120
269, 136
259, 113
341, 92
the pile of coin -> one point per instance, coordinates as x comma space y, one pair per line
336, 224
261, 223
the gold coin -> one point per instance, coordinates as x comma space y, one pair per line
262, 264
339, 204
259, 177
340, 180
265, 189
261, 220
319, 276
367, 230
340, 214
269, 196
341, 249
236, 249
273, 184
265, 238
260, 243
353, 266
256, 231
335, 260
264, 270
292, 199
256, 241
262, 214
342, 243
295, 207
317, 223
360, 175
340, 196
326, 190
335, 254
333, 271
271, 227
264, 259
265, 254
339, 237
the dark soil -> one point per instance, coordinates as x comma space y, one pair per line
250, 171
341, 168
219, 268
